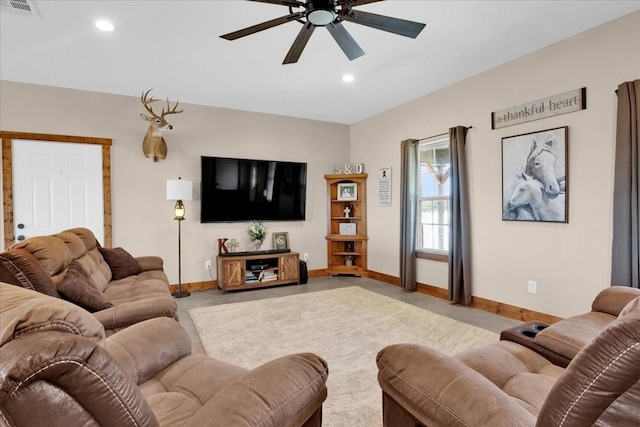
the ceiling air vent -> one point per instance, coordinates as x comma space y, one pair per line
20, 7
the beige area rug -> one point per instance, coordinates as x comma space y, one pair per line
347, 327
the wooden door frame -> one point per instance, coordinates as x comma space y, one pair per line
7, 175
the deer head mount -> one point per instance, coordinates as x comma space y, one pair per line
153, 144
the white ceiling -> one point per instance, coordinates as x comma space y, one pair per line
175, 48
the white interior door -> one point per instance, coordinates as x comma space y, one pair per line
57, 186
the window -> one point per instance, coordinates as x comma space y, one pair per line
434, 189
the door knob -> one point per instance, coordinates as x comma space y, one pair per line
20, 226
20, 238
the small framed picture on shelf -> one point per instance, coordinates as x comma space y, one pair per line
280, 240
347, 228
347, 191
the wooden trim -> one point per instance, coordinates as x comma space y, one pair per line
347, 176
499, 308
106, 194
433, 291
385, 278
433, 256
7, 176
317, 273
512, 311
7, 191
45, 137
195, 286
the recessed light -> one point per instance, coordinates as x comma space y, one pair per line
348, 78
104, 25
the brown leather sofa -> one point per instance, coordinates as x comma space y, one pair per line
507, 384
567, 337
58, 369
119, 289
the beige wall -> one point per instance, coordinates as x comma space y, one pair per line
570, 262
142, 218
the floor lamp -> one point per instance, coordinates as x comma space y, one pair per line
179, 190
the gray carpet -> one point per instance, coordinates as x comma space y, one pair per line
346, 326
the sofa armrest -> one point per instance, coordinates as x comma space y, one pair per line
283, 392
130, 313
69, 377
437, 389
148, 263
146, 348
613, 299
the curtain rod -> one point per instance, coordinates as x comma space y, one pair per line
441, 134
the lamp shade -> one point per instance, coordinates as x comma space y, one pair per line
179, 189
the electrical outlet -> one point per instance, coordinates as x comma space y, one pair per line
532, 287
305, 257
207, 264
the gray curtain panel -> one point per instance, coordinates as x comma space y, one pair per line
408, 214
460, 233
625, 268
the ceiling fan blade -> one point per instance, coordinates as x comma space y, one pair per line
299, 44
348, 4
291, 3
345, 41
264, 26
385, 23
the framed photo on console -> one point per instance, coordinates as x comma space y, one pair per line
347, 191
280, 240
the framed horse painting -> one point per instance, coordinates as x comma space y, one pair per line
534, 176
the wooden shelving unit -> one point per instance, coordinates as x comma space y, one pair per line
251, 271
344, 249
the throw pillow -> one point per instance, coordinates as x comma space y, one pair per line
634, 305
78, 287
121, 262
21, 268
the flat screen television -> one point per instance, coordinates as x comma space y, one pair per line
247, 189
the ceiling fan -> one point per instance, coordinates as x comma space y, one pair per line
330, 14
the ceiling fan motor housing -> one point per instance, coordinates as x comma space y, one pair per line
321, 12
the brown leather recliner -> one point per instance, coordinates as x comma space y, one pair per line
568, 336
507, 385
58, 369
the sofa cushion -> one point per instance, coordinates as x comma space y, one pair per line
78, 287
95, 265
520, 373
50, 251
612, 299
74, 244
148, 263
121, 262
23, 311
634, 305
570, 335
24, 270
86, 235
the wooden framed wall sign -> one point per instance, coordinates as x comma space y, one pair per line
567, 102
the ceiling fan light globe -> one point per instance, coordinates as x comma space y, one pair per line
321, 17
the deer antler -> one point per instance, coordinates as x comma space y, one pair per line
169, 109
146, 102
